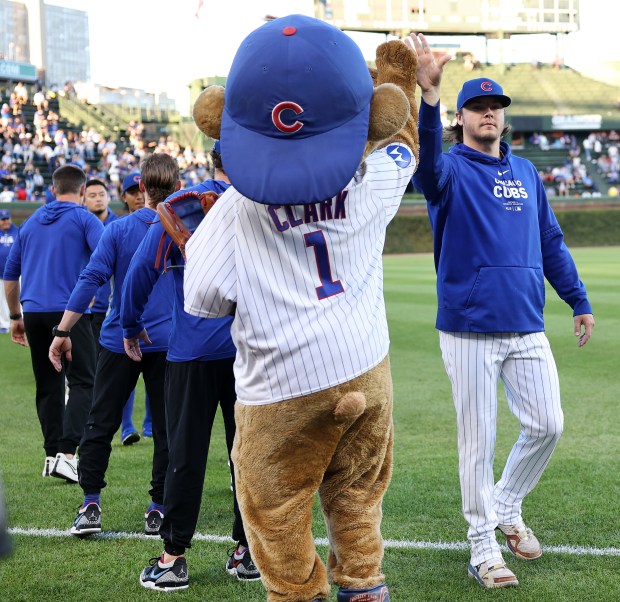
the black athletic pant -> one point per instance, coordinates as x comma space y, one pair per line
115, 379
62, 426
96, 321
193, 392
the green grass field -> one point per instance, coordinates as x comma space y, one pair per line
575, 505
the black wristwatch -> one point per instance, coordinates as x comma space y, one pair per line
60, 333
15, 316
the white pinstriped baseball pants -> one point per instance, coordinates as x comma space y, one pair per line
474, 363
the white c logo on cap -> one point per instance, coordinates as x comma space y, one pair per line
287, 105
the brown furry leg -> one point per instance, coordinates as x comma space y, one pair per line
355, 483
280, 454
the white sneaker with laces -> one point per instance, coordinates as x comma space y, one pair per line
65, 468
493, 573
48, 466
521, 541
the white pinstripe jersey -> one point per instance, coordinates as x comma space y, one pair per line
307, 281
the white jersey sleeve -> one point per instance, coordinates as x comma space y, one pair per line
210, 273
307, 281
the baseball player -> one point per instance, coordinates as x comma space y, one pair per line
51, 249
97, 200
116, 374
8, 234
305, 285
199, 377
495, 239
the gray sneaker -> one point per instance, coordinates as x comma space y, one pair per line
241, 565
164, 579
87, 521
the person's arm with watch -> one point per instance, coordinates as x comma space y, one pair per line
62, 339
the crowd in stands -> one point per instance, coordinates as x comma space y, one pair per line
34, 143
32, 147
598, 151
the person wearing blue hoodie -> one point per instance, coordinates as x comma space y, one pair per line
97, 200
116, 374
50, 251
496, 239
199, 378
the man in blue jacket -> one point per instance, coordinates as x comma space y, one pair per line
116, 374
199, 377
97, 201
495, 241
50, 251
8, 234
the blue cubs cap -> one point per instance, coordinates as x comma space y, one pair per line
131, 180
5, 214
296, 112
474, 88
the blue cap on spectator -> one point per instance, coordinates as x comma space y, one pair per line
216, 147
5, 214
482, 86
131, 180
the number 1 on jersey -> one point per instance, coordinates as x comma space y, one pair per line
328, 287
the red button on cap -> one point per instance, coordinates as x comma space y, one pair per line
289, 31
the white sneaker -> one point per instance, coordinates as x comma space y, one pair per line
48, 466
65, 468
493, 573
521, 541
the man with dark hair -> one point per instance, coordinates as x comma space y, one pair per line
50, 251
97, 200
116, 374
496, 239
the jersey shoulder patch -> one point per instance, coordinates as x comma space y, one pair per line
400, 154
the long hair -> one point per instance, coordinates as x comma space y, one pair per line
454, 133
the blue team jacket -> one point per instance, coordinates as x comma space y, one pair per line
102, 298
51, 249
111, 259
495, 235
7, 238
191, 338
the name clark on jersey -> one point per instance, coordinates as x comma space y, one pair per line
509, 189
292, 216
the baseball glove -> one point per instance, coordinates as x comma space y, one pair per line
181, 214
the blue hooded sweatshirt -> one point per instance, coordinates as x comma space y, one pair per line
496, 237
191, 338
51, 249
111, 260
102, 298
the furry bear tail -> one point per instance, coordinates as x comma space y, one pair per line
350, 406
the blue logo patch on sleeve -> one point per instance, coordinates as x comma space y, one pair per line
400, 154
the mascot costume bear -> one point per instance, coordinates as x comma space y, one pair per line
319, 150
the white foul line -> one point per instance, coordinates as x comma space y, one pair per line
322, 541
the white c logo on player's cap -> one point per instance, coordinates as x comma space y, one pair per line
287, 105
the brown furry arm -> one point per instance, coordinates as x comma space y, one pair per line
397, 63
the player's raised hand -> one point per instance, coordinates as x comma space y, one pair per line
430, 69
59, 346
587, 321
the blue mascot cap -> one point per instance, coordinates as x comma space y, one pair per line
296, 112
